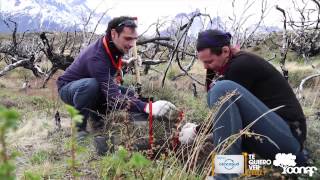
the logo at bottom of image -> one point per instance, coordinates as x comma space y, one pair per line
249, 165
245, 165
289, 166
229, 164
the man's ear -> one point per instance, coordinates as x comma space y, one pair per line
226, 50
113, 33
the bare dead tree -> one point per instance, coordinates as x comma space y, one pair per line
61, 60
156, 46
249, 35
244, 35
59, 49
305, 36
153, 49
58, 60
284, 49
174, 53
14, 33
177, 45
19, 54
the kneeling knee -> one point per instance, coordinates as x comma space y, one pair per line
225, 85
220, 89
92, 86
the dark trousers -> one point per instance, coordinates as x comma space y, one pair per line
85, 95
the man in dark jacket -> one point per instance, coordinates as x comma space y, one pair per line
92, 81
258, 88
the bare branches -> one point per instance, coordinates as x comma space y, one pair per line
20, 54
14, 32
13, 66
305, 29
96, 26
27, 63
175, 50
47, 45
262, 16
52, 71
64, 44
284, 49
58, 61
188, 68
56, 50
243, 32
153, 40
318, 16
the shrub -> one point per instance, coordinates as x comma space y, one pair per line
8, 121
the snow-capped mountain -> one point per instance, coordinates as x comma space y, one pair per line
199, 23
47, 15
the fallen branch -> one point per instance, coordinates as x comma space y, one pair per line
13, 66
303, 81
25, 63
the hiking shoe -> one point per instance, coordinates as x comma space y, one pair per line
82, 135
100, 144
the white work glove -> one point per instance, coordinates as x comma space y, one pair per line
130, 62
188, 133
160, 108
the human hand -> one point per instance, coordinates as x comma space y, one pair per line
187, 133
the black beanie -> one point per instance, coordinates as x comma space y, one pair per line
213, 38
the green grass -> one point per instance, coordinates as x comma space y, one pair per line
296, 76
39, 157
29, 175
123, 164
29, 103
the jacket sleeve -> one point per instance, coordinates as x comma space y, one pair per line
101, 71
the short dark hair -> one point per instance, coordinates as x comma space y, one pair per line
119, 23
214, 40
216, 50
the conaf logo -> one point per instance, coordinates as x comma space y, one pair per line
287, 162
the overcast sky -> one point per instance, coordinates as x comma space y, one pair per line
148, 11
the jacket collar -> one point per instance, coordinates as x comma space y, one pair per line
116, 53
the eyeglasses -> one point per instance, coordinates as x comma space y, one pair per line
127, 22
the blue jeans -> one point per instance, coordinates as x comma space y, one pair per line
239, 111
85, 95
